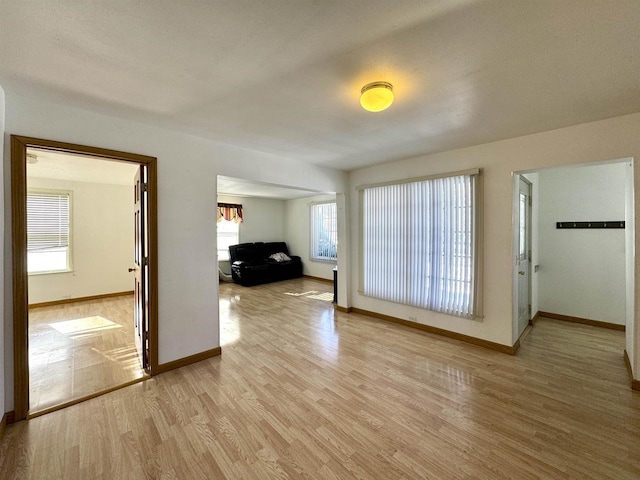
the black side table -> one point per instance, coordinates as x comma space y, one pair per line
335, 284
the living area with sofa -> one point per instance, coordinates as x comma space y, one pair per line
260, 262
271, 224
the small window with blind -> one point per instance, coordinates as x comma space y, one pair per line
48, 231
323, 219
228, 234
420, 243
229, 216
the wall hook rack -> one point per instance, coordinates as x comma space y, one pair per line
608, 224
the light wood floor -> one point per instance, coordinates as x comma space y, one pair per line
77, 349
303, 391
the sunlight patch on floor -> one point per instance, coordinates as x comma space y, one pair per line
327, 297
315, 294
84, 326
230, 331
301, 294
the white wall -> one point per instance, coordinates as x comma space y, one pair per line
102, 242
263, 218
3, 318
591, 142
187, 172
582, 272
630, 260
297, 233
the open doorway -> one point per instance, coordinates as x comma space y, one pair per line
84, 232
572, 246
305, 221
80, 239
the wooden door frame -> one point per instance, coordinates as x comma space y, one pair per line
19, 145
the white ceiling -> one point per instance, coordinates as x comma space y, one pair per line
79, 168
239, 187
283, 76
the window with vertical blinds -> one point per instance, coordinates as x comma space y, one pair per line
323, 219
419, 243
48, 231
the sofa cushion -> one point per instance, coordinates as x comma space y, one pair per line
246, 252
269, 248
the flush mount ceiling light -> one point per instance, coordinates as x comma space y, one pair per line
376, 96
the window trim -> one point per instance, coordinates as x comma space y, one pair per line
55, 191
478, 217
311, 257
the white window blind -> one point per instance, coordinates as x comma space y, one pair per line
323, 219
48, 231
419, 243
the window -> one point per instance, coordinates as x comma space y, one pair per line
522, 244
419, 243
227, 235
323, 218
229, 218
48, 231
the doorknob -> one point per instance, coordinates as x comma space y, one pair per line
133, 269
519, 273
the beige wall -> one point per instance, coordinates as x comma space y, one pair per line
102, 242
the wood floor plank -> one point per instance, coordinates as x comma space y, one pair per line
304, 391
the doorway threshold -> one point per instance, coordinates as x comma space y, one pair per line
55, 408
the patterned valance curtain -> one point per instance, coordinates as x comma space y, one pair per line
230, 212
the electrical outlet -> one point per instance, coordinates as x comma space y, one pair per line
413, 318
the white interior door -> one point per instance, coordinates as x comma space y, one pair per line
523, 259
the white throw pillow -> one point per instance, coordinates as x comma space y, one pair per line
280, 257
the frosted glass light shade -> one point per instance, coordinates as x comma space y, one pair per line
376, 96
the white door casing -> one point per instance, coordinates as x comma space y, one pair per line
523, 254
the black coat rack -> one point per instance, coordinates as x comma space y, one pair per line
610, 224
